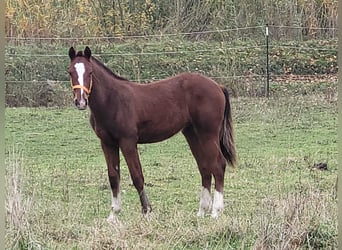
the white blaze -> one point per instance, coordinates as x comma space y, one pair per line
80, 69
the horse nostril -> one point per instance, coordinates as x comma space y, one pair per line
83, 102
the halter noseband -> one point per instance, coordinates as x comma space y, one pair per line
78, 86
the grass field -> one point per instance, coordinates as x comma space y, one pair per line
58, 195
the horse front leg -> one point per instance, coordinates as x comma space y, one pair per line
111, 153
130, 152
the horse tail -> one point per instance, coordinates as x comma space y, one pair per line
227, 134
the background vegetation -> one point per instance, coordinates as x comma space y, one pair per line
37, 75
153, 39
150, 40
89, 18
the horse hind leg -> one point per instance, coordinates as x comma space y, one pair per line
206, 176
205, 202
211, 162
218, 170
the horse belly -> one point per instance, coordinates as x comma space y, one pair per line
150, 131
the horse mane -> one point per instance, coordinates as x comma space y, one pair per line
108, 70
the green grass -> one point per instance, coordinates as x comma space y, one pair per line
273, 199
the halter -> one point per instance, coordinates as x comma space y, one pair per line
78, 86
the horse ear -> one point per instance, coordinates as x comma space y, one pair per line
72, 53
87, 52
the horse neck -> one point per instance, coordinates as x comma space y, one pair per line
104, 85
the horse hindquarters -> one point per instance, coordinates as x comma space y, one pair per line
207, 112
210, 139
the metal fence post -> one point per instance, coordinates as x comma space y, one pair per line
267, 86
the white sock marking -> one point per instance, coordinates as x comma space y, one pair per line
116, 207
116, 203
205, 202
218, 204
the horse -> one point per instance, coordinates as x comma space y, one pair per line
125, 113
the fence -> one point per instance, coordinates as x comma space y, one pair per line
248, 60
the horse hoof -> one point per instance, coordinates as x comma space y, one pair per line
215, 215
200, 213
146, 210
113, 219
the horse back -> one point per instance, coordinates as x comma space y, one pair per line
165, 107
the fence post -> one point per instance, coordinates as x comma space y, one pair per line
267, 86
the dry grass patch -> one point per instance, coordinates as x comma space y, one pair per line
18, 205
303, 218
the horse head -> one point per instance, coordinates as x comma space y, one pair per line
80, 71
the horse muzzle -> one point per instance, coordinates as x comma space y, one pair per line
82, 104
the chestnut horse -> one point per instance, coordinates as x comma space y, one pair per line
124, 113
